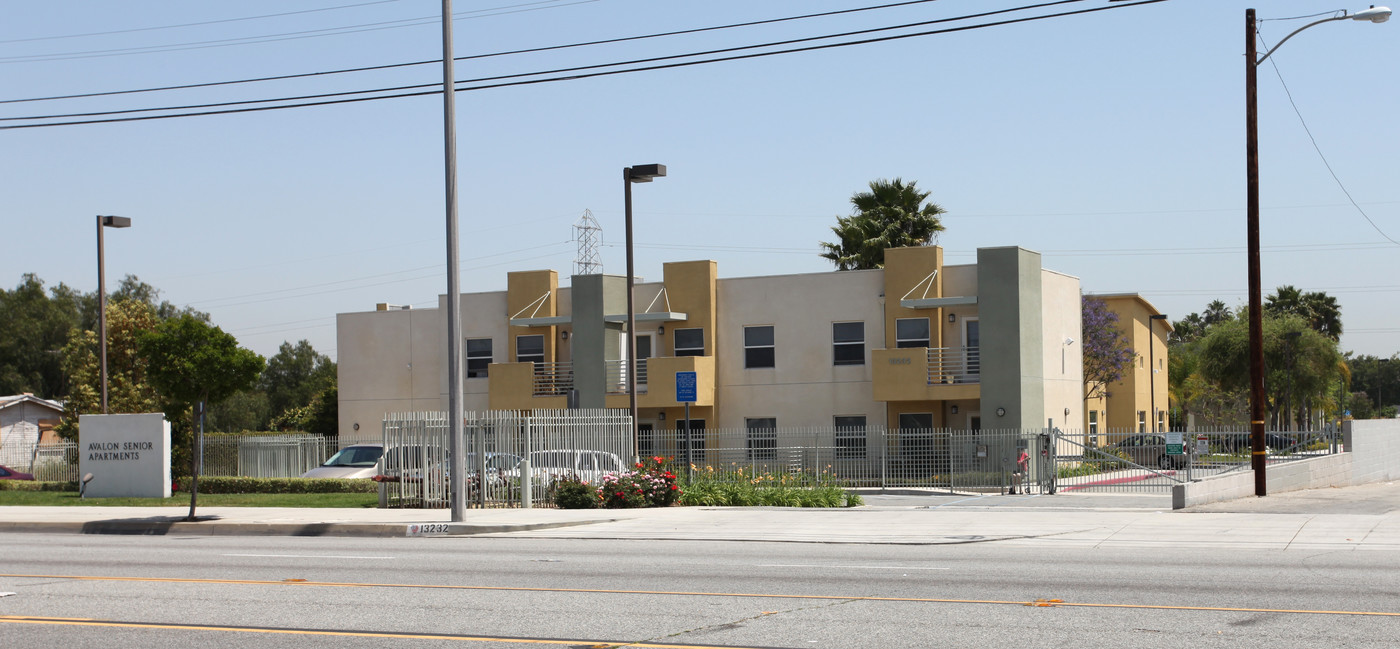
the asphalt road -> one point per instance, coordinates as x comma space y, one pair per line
85, 591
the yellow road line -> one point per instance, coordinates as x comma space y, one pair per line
63, 621
867, 598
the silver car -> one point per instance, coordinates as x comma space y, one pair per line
356, 461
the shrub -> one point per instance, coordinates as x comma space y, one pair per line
574, 493
239, 485
37, 485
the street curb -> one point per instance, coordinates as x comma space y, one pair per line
180, 527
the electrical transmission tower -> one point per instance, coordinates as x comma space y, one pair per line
589, 236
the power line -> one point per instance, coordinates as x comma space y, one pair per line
287, 36
478, 56
195, 24
1318, 149
574, 77
545, 72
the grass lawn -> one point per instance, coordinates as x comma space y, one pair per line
70, 498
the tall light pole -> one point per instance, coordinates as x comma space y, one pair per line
1151, 360
104, 222
1256, 302
637, 174
456, 463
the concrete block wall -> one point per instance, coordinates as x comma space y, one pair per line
1375, 446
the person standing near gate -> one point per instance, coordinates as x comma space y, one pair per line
1023, 462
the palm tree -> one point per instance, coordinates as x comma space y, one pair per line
890, 215
1319, 309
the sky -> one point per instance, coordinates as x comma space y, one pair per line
1111, 142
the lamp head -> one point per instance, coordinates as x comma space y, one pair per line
1374, 14
116, 221
644, 173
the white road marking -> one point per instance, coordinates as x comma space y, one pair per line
814, 565
304, 556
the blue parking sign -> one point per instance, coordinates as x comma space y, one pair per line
685, 387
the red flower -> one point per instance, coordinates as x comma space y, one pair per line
639, 465
673, 487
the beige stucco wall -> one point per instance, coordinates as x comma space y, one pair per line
389, 361
804, 388
1064, 363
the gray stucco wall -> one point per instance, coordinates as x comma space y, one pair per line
594, 341
1012, 356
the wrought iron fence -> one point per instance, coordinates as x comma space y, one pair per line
51, 461
1126, 460
511, 458
264, 456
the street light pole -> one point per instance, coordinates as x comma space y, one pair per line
1256, 320
104, 222
636, 174
456, 463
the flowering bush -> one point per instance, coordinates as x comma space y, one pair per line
573, 492
648, 484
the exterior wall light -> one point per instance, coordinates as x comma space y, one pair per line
1001, 412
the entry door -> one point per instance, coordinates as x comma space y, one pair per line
643, 353
646, 440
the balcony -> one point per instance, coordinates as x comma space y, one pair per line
952, 365
617, 376
552, 379
927, 374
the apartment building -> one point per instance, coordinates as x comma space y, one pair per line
917, 344
1139, 401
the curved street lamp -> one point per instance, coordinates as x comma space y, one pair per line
1256, 322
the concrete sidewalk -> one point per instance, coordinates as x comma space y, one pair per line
1357, 518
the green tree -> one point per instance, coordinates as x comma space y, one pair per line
128, 390
194, 363
246, 410
1378, 379
1301, 366
1318, 309
295, 375
36, 326
890, 215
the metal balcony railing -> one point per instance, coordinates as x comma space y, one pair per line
953, 365
617, 376
553, 379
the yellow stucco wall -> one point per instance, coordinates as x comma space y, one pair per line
523, 288
690, 288
1135, 392
902, 375
512, 388
905, 268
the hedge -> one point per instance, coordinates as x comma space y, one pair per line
238, 485
32, 485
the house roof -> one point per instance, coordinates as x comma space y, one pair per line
14, 400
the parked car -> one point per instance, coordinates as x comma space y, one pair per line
548, 466
1149, 449
356, 461
6, 473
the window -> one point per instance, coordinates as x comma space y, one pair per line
758, 346
850, 437
478, 357
1093, 428
763, 437
1142, 421
911, 332
690, 342
529, 349
848, 343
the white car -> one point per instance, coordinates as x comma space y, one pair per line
356, 461
548, 466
